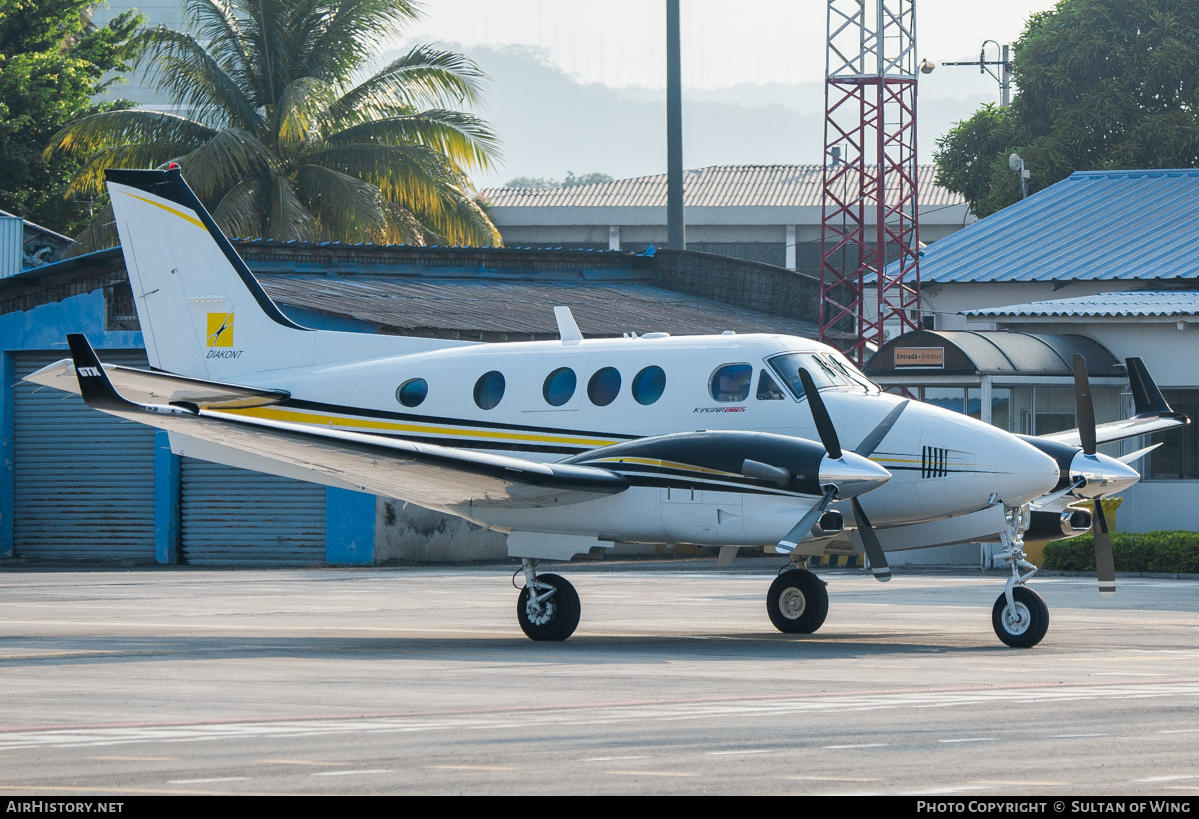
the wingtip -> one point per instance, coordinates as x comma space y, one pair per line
95, 388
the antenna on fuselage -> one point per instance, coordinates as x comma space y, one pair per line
568, 331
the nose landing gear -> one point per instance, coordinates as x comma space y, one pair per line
797, 602
1020, 617
548, 605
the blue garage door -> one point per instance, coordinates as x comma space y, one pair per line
84, 481
234, 517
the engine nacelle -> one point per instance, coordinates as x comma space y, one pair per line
1058, 525
831, 522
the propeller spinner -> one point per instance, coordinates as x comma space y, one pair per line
843, 475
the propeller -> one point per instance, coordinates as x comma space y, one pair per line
804, 528
824, 424
832, 444
874, 549
1105, 563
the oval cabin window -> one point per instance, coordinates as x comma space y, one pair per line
604, 386
648, 385
559, 386
412, 392
489, 390
730, 383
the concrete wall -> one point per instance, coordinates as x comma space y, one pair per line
761, 287
412, 534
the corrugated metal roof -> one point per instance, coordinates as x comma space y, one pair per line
1126, 303
1097, 225
489, 308
716, 186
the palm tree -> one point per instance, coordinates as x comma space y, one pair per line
279, 143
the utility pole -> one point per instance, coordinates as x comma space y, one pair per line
676, 231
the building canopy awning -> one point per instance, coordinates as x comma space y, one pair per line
953, 357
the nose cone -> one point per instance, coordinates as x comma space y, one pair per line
1104, 475
1023, 473
852, 474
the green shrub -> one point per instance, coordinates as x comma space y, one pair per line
1170, 551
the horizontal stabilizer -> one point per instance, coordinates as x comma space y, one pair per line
1151, 412
149, 387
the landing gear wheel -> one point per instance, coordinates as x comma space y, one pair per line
1026, 626
797, 602
556, 617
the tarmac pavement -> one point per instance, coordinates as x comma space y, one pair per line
419, 681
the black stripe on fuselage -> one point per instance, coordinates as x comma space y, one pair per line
389, 415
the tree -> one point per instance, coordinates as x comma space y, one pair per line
279, 142
569, 182
51, 65
1103, 84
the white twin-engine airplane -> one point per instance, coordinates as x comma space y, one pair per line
765, 441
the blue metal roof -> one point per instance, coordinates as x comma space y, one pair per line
1138, 303
1097, 225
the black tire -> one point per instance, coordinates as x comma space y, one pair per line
564, 617
1021, 634
797, 602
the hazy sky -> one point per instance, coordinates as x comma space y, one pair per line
579, 85
621, 43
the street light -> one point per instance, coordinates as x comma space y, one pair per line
1002, 73
1016, 163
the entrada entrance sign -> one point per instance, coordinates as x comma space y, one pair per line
919, 356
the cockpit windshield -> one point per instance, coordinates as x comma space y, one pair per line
827, 370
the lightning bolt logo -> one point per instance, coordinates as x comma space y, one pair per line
220, 329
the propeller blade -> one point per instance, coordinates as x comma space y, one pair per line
874, 549
1132, 456
1105, 563
1085, 409
871, 441
800, 531
1048, 499
824, 424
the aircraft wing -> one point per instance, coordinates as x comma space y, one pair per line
432, 476
1151, 413
149, 387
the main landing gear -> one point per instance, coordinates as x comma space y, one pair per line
797, 601
1020, 617
548, 606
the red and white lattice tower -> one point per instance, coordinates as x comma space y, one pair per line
869, 236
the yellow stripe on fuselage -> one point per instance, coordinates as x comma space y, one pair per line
297, 417
178, 213
664, 464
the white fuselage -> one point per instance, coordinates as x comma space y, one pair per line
943, 464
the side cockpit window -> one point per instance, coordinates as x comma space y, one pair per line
767, 389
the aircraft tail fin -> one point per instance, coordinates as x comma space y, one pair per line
202, 312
